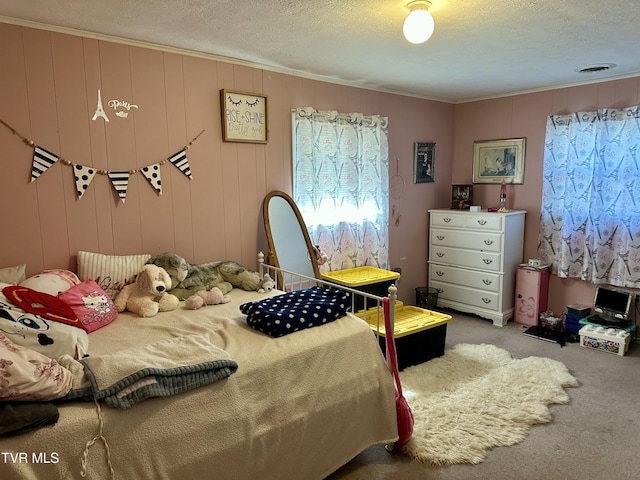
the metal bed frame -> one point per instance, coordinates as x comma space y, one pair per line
291, 281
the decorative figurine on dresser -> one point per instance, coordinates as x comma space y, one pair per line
473, 257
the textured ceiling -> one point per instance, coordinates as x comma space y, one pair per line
480, 49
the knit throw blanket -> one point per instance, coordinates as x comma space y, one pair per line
167, 367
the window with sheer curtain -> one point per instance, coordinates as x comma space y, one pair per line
590, 215
340, 184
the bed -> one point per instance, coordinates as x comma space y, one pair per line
298, 407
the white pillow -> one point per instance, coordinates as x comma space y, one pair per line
13, 274
52, 282
111, 272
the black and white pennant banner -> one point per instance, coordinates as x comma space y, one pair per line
120, 181
181, 162
42, 160
152, 173
83, 174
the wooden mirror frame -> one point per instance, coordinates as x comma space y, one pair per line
272, 257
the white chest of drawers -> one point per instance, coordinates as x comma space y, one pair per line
473, 258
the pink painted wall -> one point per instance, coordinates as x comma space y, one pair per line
48, 87
525, 116
48, 92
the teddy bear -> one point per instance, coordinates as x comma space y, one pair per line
204, 297
148, 294
188, 279
266, 284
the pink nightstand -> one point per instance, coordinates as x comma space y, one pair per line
532, 287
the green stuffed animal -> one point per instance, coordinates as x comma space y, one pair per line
188, 279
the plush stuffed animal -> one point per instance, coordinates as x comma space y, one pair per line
148, 294
188, 279
203, 297
266, 284
321, 257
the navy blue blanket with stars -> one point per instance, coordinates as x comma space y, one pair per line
297, 310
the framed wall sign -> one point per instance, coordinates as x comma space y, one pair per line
424, 169
244, 117
498, 160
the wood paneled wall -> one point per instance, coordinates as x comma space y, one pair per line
48, 92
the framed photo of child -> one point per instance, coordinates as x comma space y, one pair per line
424, 162
461, 197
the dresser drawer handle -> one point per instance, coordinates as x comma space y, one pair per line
488, 242
486, 281
440, 254
447, 219
482, 221
439, 273
486, 300
440, 237
487, 261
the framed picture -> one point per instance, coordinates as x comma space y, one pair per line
461, 197
424, 162
498, 160
244, 117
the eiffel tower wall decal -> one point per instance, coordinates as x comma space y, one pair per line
100, 110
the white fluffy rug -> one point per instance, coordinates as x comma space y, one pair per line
476, 397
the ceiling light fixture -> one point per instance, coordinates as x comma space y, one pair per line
419, 25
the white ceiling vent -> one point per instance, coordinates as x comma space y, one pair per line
598, 67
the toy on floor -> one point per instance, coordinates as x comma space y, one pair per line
148, 294
266, 284
203, 297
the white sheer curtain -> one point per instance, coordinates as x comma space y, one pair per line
590, 216
341, 185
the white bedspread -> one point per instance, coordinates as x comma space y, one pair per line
298, 407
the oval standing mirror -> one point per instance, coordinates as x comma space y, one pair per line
289, 242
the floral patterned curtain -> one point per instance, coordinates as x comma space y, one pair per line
341, 185
590, 216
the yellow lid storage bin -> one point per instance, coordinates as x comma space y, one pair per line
419, 334
407, 320
361, 276
372, 280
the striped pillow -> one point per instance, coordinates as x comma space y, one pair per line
111, 272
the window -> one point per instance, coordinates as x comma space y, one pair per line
590, 215
340, 184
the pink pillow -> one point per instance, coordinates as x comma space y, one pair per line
91, 304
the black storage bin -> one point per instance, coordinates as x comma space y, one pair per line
418, 347
419, 334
